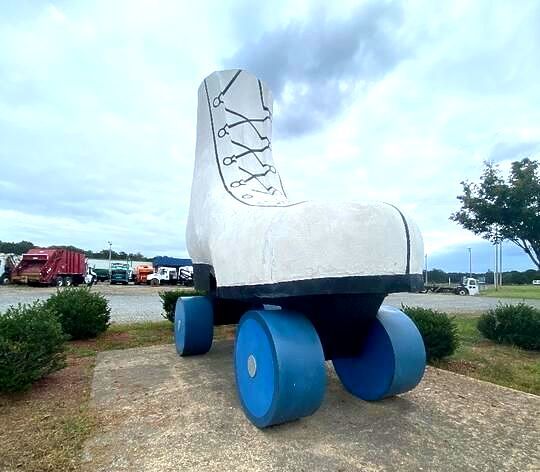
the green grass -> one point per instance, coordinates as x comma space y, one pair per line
514, 291
482, 359
124, 336
130, 335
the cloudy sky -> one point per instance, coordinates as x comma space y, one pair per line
373, 100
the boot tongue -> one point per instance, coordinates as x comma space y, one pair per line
241, 115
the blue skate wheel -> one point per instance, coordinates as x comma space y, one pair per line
279, 367
193, 325
392, 359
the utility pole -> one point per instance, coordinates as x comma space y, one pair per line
470, 262
110, 251
496, 273
426, 278
500, 264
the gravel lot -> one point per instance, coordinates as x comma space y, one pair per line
127, 302
142, 303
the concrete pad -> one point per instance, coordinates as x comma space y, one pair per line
160, 412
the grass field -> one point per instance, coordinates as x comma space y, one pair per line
44, 429
482, 359
514, 291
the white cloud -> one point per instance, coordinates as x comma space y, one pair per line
98, 109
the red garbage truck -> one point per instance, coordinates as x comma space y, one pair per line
51, 267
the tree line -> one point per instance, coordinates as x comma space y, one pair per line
23, 247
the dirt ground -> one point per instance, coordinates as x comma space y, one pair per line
160, 412
43, 429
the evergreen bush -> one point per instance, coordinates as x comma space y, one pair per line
31, 345
438, 330
169, 299
82, 313
517, 324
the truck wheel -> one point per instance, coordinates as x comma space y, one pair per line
462, 291
59, 281
4, 280
68, 281
154, 282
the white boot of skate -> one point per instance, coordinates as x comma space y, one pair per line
325, 266
244, 231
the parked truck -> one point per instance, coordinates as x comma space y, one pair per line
102, 274
171, 276
7, 263
185, 276
468, 286
177, 271
142, 272
163, 276
120, 273
52, 267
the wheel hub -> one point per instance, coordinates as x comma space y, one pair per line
252, 365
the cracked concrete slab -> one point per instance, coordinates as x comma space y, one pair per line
160, 412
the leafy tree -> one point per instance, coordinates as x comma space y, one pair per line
515, 278
497, 209
437, 276
16, 248
23, 247
532, 275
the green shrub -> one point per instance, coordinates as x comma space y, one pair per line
512, 324
82, 313
438, 331
169, 299
31, 345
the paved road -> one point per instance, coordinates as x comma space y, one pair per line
134, 303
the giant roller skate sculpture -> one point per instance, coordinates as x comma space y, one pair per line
325, 268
